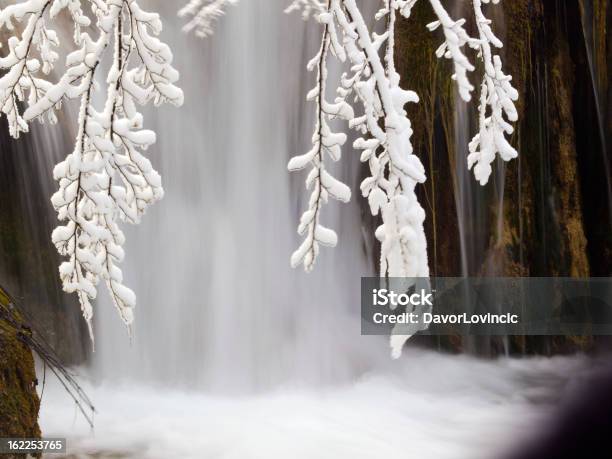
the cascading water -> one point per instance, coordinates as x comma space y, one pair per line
474, 202
210, 264
469, 199
469, 196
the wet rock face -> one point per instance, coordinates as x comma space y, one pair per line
547, 213
19, 402
541, 216
535, 218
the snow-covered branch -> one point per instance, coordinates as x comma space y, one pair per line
307, 7
324, 143
203, 14
372, 88
455, 37
497, 98
106, 178
387, 148
386, 130
21, 67
497, 95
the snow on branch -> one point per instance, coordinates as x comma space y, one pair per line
455, 37
307, 7
106, 179
497, 95
387, 148
497, 98
325, 143
386, 132
203, 14
371, 87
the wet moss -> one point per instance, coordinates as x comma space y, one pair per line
422, 72
519, 17
19, 402
566, 184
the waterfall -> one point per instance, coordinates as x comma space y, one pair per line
218, 305
469, 196
473, 202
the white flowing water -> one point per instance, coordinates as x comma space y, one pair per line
219, 307
428, 406
234, 354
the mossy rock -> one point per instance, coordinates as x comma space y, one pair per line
19, 402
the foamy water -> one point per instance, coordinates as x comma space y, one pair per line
428, 406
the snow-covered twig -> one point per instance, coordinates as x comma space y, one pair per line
106, 178
497, 97
395, 170
386, 142
21, 68
404, 7
455, 37
386, 145
374, 85
203, 14
324, 143
307, 7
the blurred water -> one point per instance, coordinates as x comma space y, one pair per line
475, 203
219, 307
428, 406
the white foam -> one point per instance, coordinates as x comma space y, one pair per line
428, 406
